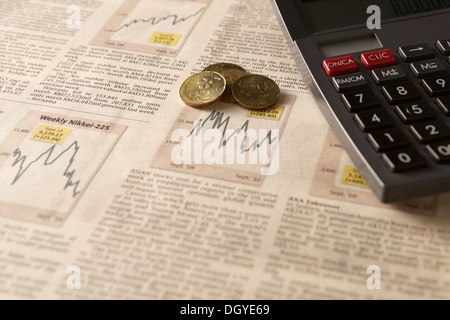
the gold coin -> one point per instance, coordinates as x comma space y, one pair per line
219, 67
231, 76
256, 92
202, 89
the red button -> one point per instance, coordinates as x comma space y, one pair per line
338, 66
378, 59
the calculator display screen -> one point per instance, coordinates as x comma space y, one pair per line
331, 14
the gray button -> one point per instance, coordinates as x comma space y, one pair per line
350, 82
416, 52
444, 104
388, 75
428, 68
444, 46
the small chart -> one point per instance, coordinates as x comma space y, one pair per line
229, 144
46, 163
151, 26
337, 178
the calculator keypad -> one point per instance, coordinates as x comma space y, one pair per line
403, 92
430, 131
360, 100
384, 140
373, 120
404, 160
426, 68
444, 46
388, 75
339, 66
437, 86
444, 104
415, 52
378, 59
440, 151
416, 91
414, 112
350, 82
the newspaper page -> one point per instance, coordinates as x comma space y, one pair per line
112, 188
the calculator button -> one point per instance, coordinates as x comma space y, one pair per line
427, 68
414, 112
405, 160
350, 82
398, 93
339, 66
437, 85
444, 104
373, 120
388, 140
378, 59
440, 151
415, 52
430, 131
360, 100
388, 75
444, 46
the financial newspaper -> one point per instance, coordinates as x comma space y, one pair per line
112, 188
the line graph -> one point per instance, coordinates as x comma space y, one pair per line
154, 20
151, 26
47, 162
216, 119
225, 143
21, 161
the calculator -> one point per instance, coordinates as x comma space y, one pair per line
385, 91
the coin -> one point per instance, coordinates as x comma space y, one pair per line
202, 89
256, 92
231, 76
218, 67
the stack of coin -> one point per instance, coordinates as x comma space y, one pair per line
229, 83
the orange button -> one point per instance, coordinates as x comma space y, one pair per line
338, 66
378, 59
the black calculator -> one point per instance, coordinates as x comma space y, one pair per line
384, 89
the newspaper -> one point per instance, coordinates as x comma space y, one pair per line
112, 188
